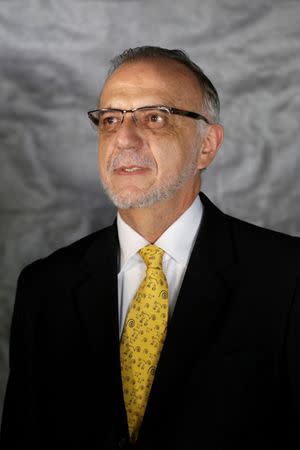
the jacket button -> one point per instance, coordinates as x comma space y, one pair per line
122, 442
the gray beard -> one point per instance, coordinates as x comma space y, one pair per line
127, 200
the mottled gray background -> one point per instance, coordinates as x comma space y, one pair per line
53, 58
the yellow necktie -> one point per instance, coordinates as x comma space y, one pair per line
143, 337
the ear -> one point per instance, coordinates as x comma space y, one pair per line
210, 144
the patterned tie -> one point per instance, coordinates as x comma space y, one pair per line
143, 337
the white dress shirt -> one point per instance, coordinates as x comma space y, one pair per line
177, 242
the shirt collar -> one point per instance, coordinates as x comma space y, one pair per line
177, 241
130, 241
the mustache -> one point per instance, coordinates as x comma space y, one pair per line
133, 159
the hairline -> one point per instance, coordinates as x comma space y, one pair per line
154, 60
209, 94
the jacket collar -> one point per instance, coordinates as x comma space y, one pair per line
211, 271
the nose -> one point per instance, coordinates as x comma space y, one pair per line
128, 135
129, 113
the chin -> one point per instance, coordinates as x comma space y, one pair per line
137, 199
127, 200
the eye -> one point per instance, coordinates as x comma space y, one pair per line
153, 118
110, 120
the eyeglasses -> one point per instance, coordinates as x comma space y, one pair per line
147, 117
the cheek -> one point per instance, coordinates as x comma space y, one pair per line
102, 159
104, 149
172, 157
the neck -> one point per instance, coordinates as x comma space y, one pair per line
152, 222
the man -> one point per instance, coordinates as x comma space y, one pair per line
178, 326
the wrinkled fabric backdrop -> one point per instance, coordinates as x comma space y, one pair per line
54, 56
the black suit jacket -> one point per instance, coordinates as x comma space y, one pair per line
229, 372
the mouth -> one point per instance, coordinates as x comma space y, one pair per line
130, 170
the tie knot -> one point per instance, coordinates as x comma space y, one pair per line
152, 255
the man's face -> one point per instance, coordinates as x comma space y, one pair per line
139, 167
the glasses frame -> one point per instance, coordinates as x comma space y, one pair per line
169, 109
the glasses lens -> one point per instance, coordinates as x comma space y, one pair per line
152, 118
94, 118
109, 120
106, 120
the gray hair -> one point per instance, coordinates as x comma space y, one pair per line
211, 103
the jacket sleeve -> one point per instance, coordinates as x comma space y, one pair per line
20, 413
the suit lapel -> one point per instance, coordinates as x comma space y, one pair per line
95, 292
96, 300
205, 288
199, 310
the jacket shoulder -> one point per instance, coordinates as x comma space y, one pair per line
247, 237
265, 243
69, 257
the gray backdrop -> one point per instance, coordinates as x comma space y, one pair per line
54, 57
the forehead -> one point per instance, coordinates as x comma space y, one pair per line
151, 82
